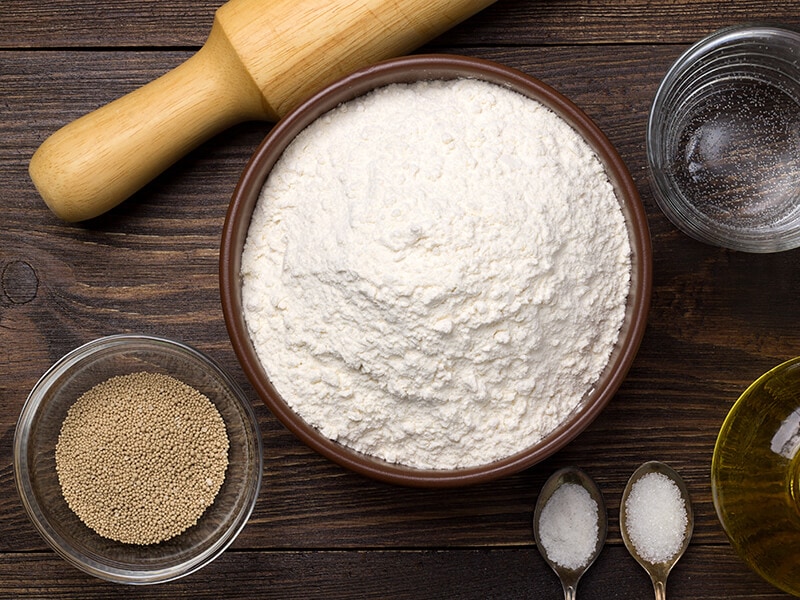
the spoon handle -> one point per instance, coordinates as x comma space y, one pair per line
570, 591
660, 588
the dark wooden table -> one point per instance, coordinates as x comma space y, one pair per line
718, 318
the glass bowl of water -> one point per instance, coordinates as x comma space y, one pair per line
723, 140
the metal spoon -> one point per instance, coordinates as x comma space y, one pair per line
658, 571
570, 577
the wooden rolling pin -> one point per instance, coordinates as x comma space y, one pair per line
262, 58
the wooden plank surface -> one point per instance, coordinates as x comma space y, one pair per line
718, 318
463, 574
151, 23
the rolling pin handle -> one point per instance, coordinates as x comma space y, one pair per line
92, 164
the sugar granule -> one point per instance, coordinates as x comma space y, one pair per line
656, 517
568, 526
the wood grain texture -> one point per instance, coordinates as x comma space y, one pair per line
455, 574
149, 23
718, 318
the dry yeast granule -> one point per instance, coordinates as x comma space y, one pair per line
140, 457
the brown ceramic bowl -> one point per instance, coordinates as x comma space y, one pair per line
409, 69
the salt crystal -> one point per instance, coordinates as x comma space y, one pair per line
656, 517
568, 526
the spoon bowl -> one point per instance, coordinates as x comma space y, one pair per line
657, 569
570, 475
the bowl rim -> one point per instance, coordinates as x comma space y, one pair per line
408, 69
31, 504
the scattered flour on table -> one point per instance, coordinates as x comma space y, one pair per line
436, 273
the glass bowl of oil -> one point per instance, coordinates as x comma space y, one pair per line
723, 140
755, 476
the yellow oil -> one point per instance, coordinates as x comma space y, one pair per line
794, 484
756, 476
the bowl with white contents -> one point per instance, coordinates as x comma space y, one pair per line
722, 139
436, 271
137, 459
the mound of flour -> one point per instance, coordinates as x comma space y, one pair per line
436, 273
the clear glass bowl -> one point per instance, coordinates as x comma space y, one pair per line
37, 432
723, 140
755, 476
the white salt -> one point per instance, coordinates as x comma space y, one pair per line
656, 517
568, 526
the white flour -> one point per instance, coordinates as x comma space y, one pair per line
436, 273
